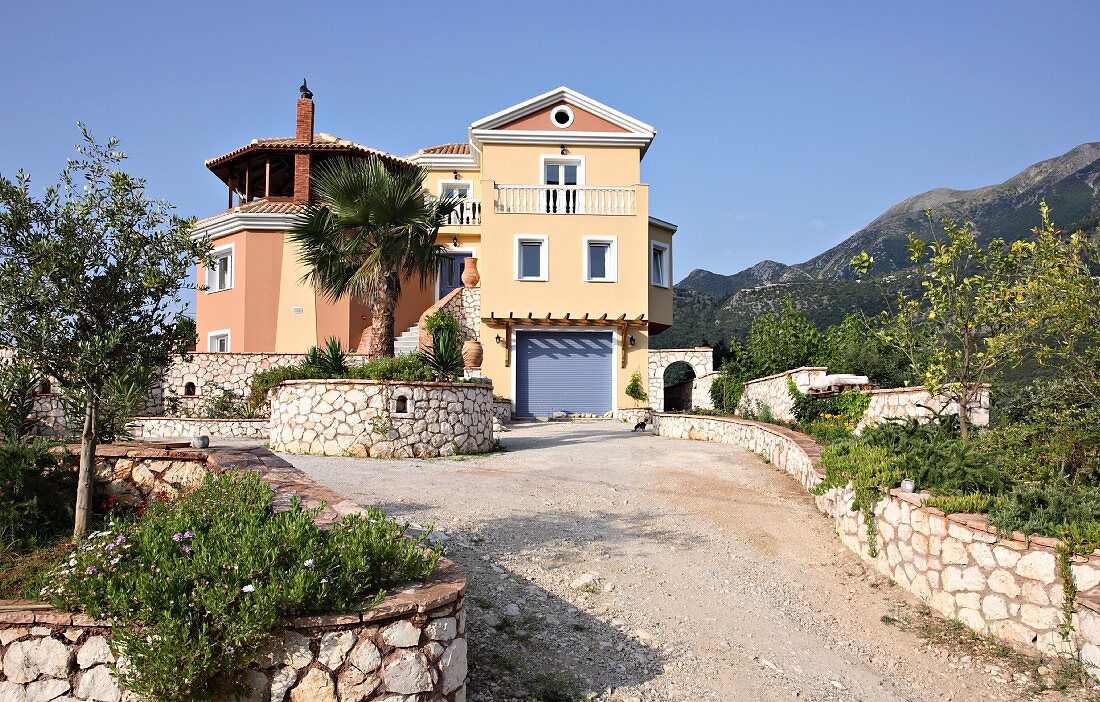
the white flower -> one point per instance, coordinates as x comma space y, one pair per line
308, 563
249, 588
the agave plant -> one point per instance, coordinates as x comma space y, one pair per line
444, 358
330, 361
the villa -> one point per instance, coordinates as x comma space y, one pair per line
552, 260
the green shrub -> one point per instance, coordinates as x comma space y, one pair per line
634, 388
441, 319
444, 358
848, 405
829, 431
932, 454
17, 385
226, 404
408, 368
871, 471
35, 494
199, 585
974, 503
327, 362
264, 380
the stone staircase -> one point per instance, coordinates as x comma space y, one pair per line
408, 342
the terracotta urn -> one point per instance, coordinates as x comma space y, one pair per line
472, 354
470, 276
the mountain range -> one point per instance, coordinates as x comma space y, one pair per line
710, 308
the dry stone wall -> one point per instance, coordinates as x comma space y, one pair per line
381, 419
412, 646
919, 403
891, 403
185, 427
772, 391
1008, 587
502, 409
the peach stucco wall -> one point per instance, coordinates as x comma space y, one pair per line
583, 121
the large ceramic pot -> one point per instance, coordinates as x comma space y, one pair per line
472, 354
470, 276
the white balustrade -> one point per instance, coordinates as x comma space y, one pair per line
565, 199
465, 212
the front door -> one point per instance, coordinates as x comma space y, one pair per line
450, 273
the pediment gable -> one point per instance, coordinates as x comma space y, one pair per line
564, 115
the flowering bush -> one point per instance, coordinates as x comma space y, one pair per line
197, 586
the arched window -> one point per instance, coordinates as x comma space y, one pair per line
44, 387
401, 405
189, 390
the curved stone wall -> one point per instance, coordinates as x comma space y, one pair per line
412, 645
381, 419
1008, 587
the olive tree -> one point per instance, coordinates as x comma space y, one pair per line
90, 281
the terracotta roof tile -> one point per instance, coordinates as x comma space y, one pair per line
322, 141
453, 148
259, 207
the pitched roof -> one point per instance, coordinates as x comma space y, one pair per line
258, 207
489, 129
322, 141
452, 148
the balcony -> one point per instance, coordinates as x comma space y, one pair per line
465, 213
565, 199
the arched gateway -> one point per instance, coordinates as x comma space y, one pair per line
700, 358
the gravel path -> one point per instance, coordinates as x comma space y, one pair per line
612, 565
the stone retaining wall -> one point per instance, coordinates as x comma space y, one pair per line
185, 427
502, 410
381, 419
410, 647
413, 645
1008, 587
772, 391
918, 403
888, 403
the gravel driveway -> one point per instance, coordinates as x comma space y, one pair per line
612, 565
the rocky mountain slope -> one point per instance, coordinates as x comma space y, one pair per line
711, 307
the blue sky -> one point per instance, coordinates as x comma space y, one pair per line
782, 126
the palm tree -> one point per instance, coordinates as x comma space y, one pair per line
370, 228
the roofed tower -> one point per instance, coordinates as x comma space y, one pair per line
279, 169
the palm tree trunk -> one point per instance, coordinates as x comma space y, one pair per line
84, 483
383, 306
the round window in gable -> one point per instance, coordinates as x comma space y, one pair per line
561, 116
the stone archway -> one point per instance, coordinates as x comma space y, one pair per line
700, 358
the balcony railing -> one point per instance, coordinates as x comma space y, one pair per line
467, 212
565, 199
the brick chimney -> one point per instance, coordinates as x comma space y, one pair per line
303, 132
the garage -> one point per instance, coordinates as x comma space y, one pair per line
566, 371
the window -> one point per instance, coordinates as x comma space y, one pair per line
531, 257
561, 116
462, 189
600, 264
189, 390
219, 276
659, 266
218, 341
562, 175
